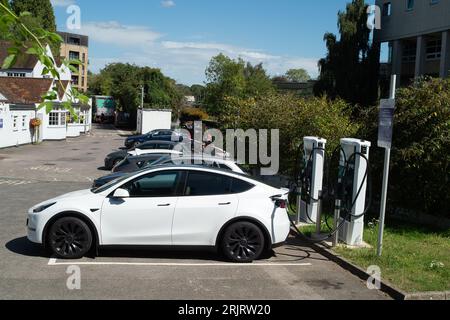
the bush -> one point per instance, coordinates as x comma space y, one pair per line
421, 147
192, 114
294, 117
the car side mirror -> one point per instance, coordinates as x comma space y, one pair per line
121, 194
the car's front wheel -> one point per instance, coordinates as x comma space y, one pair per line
243, 242
70, 238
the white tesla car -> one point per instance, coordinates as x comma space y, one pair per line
166, 206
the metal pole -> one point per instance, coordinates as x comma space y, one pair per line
319, 214
387, 160
337, 215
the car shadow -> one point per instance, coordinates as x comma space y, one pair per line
24, 247
103, 169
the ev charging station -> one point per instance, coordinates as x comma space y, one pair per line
353, 176
314, 158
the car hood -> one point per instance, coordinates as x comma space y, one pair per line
117, 153
75, 194
136, 137
111, 177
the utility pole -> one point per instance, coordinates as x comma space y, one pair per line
387, 160
142, 96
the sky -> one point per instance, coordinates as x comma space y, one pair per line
181, 36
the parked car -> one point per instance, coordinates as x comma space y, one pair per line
167, 160
134, 163
166, 206
164, 135
115, 157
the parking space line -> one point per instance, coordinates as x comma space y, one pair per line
53, 262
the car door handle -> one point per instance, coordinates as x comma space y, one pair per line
164, 205
224, 204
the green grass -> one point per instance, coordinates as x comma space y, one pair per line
415, 259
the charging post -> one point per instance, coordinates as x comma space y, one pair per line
308, 201
385, 131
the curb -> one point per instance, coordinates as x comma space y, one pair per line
359, 272
444, 295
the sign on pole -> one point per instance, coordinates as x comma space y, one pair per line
386, 123
385, 130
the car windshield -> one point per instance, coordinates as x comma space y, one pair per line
111, 183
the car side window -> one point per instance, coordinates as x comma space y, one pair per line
162, 184
148, 146
239, 186
206, 184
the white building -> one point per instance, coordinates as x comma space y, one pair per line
21, 89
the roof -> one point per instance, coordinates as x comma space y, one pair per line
24, 61
62, 87
24, 90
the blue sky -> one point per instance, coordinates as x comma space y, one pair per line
181, 36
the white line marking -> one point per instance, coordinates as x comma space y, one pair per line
53, 262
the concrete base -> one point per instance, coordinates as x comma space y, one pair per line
363, 245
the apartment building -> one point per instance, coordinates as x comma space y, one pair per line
76, 47
418, 36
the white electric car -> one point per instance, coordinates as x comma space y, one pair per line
166, 206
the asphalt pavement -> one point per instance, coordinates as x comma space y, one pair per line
31, 174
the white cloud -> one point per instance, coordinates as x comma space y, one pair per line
114, 33
184, 61
168, 3
62, 3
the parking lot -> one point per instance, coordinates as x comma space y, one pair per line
31, 174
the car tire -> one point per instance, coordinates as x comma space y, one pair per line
243, 242
70, 238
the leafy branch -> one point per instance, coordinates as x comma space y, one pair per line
30, 41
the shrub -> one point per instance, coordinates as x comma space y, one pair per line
421, 147
192, 114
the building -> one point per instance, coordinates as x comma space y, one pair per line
76, 47
19, 101
418, 36
303, 89
28, 66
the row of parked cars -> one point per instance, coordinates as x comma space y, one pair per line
149, 200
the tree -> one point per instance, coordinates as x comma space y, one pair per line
123, 82
350, 69
298, 75
42, 10
233, 78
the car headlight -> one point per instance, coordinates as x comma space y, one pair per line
43, 207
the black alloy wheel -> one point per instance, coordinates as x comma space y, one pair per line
70, 238
243, 242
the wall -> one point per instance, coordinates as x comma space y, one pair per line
155, 119
423, 19
10, 137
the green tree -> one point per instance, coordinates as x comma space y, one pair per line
124, 82
298, 75
42, 10
233, 78
350, 69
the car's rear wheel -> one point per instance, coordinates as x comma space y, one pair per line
243, 242
70, 238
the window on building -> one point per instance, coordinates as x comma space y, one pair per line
409, 52
17, 74
75, 80
74, 41
62, 118
409, 4
24, 122
53, 119
15, 119
434, 49
73, 55
84, 58
434, 1
387, 9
